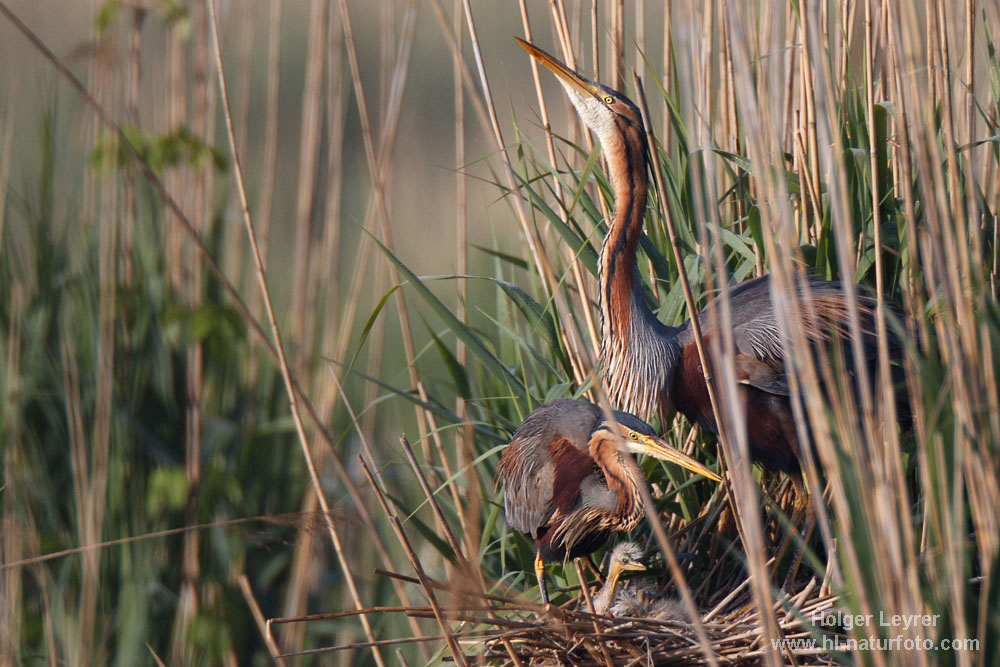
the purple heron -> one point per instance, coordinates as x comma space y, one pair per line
569, 479
654, 369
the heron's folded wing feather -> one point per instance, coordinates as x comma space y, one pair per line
527, 494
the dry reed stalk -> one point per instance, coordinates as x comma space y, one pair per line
442, 523
329, 257
306, 404
11, 584
133, 76
887, 408
809, 132
617, 11
580, 357
759, 145
233, 249
471, 513
589, 606
81, 474
668, 69
269, 158
175, 180
6, 158
584, 286
640, 32
731, 423
90, 466
706, 368
14, 542
363, 254
300, 329
326, 257
96, 77
378, 179
450, 479
282, 360
196, 202
469, 83
302, 313
464, 564
368, 455
327, 385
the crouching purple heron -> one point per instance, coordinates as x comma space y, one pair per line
569, 479
654, 369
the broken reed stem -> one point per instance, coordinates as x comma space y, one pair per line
263, 626
278, 345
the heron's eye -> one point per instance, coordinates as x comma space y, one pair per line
609, 100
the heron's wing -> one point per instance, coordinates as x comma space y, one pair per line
527, 477
760, 357
544, 481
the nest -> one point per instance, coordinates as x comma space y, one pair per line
509, 631
733, 635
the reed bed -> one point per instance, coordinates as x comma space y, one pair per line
228, 293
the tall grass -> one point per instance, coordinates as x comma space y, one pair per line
161, 501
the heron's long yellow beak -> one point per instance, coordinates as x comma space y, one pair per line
653, 446
557, 67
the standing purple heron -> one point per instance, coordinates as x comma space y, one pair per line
651, 368
569, 480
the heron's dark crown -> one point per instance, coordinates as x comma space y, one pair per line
626, 103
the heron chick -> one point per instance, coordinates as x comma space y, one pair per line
626, 556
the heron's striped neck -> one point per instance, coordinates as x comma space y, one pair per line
622, 476
638, 353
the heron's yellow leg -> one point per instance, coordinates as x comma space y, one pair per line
540, 573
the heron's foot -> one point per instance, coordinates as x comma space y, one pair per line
802, 508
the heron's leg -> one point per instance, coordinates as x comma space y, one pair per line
804, 514
540, 573
800, 550
801, 510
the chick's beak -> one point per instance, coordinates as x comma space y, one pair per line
567, 76
635, 566
653, 446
